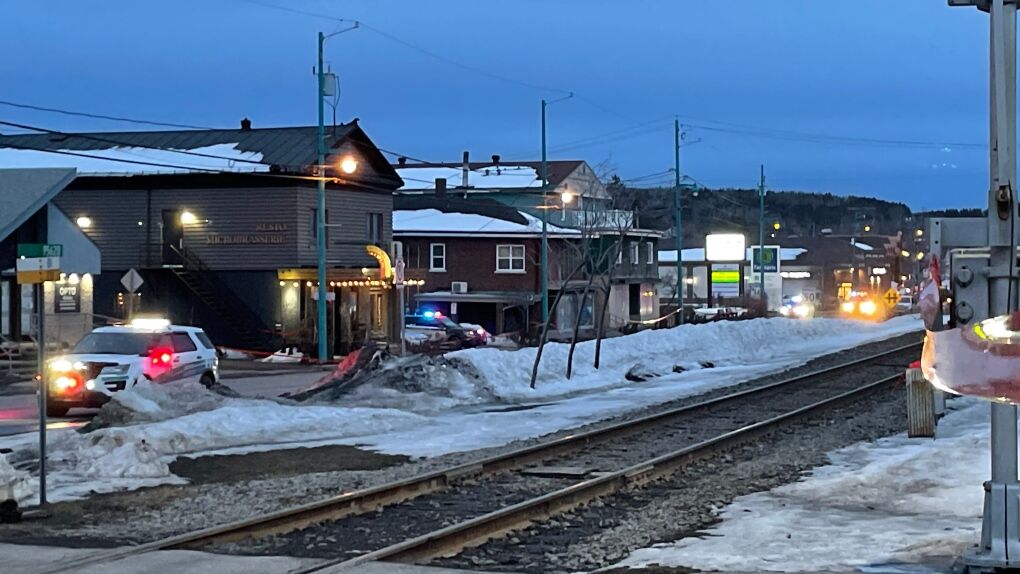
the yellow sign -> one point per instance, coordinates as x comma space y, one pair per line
385, 266
891, 297
38, 276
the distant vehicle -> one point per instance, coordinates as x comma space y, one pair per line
861, 305
111, 359
480, 331
906, 303
797, 307
456, 335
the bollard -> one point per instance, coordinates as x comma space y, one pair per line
920, 405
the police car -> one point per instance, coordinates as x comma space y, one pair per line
111, 359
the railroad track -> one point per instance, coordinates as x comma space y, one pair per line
439, 513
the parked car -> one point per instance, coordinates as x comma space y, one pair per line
455, 335
111, 359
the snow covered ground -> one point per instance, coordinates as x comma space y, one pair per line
450, 411
897, 500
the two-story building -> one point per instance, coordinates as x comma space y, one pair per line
220, 224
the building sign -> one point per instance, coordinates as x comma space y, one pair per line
725, 280
769, 256
265, 234
67, 298
725, 247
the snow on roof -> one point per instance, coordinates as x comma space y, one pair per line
491, 177
229, 158
435, 221
697, 254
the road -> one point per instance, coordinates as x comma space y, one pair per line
19, 410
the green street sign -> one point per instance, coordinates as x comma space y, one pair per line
40, 250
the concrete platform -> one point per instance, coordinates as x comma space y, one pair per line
25, 559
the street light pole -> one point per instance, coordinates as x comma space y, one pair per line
679, 230
761, 232
320, 216
544, 256
321, 327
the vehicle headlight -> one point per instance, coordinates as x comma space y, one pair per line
784, 311
801, 310
847, 307
61, 365
868, 307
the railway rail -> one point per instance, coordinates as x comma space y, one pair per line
439, 513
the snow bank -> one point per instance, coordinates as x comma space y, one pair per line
781, 342
157, 423
13, 483
894, 500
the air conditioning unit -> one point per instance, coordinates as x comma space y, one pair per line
458, 286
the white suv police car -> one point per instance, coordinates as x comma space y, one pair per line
111, 359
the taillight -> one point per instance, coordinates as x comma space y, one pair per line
161, 357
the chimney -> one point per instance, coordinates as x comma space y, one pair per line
401, 161
465, 168
245, 125
495, 162
440, 187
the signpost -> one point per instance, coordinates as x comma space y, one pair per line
891, 298
131, 281
765, 263
38, 263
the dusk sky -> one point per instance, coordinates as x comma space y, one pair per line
815, 89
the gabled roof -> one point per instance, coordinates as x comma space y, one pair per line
281, 149
23, 192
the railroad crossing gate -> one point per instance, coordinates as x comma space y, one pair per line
891, 298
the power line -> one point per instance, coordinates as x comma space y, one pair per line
100, 116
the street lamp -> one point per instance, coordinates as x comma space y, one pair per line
566, 197
188, 218
320, 219
348, 165
544, 257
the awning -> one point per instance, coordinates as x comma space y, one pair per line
515, 297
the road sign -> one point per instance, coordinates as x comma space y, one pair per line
38, 269
30, 250
891, 297
131, 280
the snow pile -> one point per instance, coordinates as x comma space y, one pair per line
13, 483
148, 402
894, 500
760, 342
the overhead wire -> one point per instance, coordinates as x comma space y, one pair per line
101, 116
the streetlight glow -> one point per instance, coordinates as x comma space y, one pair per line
188, 218
566, 197
904, 253
919, 232
867, 228
348, 165
776, 226
920, 255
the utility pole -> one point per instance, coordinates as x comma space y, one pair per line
679, 229
321, 330
544, 256
1000, 530
761, 232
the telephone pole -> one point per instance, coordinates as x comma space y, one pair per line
761, 233
679, 229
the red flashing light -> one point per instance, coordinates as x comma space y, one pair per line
161, 357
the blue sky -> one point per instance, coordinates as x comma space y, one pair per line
735, 71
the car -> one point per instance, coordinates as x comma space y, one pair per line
797, 307
112, 359
861, 305
455, 335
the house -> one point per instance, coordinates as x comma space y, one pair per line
28, 215
220, 225
480, 261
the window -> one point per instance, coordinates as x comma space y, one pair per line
635, 252
375, 228
651, 253
509, 259
183, 343
205, 340
437, 257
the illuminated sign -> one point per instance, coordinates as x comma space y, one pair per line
725, 247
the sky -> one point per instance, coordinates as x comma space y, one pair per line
820, 92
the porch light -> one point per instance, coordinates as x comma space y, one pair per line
84, 222
566, 197
188, 218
